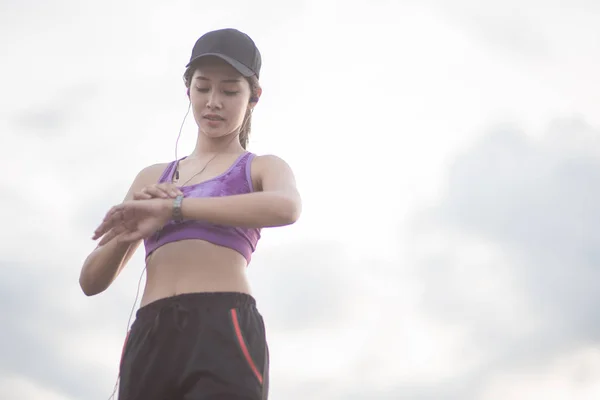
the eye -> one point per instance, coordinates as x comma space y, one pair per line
202, 90
230, 93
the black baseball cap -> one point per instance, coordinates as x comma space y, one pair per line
231, 45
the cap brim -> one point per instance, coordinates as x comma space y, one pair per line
241, 68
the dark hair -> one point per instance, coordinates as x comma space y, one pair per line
254, 87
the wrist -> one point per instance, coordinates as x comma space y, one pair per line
166, 207
176, 211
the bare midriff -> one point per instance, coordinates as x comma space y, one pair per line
191, 266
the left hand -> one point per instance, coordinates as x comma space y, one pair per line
134, 220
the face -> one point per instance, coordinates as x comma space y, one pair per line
220, 98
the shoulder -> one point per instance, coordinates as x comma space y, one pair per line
147, 176
269, 170
269, 162
150, 174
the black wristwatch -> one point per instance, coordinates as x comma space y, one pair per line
177, 215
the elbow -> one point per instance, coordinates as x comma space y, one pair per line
291, 211
86, 289
90, 291
87, 286
294, 215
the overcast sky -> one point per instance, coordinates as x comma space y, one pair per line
448, 154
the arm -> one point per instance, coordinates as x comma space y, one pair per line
105, 263
275, 203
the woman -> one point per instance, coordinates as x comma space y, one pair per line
198, 334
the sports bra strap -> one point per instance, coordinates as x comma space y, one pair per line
168, 172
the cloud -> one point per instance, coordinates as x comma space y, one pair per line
40, 120
36, 320
538, 201
571, 376
17, 388
495, 279
531, 30
510, 249
55, 115
304, 285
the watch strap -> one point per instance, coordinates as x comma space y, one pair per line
177, 215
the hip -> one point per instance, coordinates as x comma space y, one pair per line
175, 343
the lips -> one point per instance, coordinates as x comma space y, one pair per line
213, 117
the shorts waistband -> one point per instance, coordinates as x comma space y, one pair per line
203, 300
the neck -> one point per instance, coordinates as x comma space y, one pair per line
225, 144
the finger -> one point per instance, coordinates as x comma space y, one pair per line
112, 214
113, 233
121, 219
178, 190
104, 227
175, 191
101, 230
110, 235
130, 236
157, 191
172, 190
141, 196
110, 220
106, 238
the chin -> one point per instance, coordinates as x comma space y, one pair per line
215, 133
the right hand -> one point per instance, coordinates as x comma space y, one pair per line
158, 191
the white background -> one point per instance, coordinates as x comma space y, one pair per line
447, 154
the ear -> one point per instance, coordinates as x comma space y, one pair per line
188, 92
254, 99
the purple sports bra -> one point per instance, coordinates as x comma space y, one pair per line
236, 180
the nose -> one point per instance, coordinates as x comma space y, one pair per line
213, 100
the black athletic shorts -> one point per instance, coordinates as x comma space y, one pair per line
197, 346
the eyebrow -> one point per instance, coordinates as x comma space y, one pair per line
233, 80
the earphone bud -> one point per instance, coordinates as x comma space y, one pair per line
188, 92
